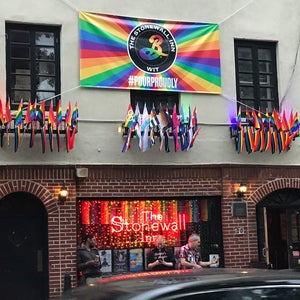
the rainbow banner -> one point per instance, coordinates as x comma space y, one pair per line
130, 53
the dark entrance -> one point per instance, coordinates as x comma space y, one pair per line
278, 222
24, 249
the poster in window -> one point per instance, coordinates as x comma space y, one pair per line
136, 259
105, 258
214, 256
120, 260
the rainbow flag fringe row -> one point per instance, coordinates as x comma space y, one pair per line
147, 127
35, 120
273, 132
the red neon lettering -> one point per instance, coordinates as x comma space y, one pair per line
118, 224
116, 221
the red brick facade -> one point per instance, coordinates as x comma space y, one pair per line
145, 181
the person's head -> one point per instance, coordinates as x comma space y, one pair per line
160, 242
89, 241
194, 240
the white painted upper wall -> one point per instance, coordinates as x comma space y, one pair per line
101, 111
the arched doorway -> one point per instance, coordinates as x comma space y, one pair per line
24, 247
278, 221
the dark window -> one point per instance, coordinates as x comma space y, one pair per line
154, 99
32, 66
256, 74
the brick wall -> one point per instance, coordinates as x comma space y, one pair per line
45, 184
239, 250
145, 181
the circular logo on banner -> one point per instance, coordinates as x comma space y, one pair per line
152, 48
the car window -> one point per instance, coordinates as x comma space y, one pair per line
282, 293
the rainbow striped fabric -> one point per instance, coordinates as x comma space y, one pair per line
130, 53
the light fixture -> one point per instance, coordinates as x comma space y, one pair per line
62, 195
242, 189
122, 129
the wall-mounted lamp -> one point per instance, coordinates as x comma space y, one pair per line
62, 195
242, 189
122, 129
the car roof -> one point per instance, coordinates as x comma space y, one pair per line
154, 285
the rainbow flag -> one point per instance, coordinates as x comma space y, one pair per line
256, 123
276, 119
131, 53
268, 139
262, 138
51, 121
239, 118
1, 113
205, 210
58, 123
176, 124
274, 142
74, 117
240, 140
18, 123
7, 120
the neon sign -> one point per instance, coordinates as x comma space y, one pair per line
151, 226
121, 224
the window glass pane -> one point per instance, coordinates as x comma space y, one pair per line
248, 104
18, 51
46, 53
44, 95
45, 83
20, 66
267, 105
45, 68
244, 53
20, 82
154, 99
245, 66
264, 54
20, 36
44, 38
246, 92
266, 93
245, 78
264, 67
16, 96
265, 79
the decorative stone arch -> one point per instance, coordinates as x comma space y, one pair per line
31, 187
53, 213
271, 186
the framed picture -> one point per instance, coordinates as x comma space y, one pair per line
105, 258
146, 252
214, 256
120, 260
136, 260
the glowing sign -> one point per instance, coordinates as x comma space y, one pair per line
123, 224
152, 224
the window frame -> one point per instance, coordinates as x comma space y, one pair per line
150, 97
255, 46
32, 29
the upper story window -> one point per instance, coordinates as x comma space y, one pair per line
156, 99
32, 62
256, 74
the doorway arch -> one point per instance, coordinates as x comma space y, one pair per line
278, 223
24, 247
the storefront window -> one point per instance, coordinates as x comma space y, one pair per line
124, 226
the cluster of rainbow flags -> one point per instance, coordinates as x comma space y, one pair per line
35, 120
146, 127
271, 132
